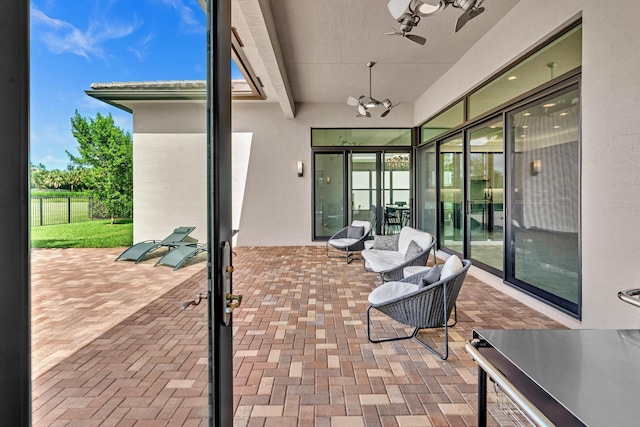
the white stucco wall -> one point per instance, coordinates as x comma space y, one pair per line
610, 149
169, 169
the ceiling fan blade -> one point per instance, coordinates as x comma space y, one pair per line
469, 14
395, 33
362, 110
388, 110
416, 39
464, 18
476, 12
398, 7
352, 101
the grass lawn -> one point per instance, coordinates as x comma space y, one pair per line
90, 234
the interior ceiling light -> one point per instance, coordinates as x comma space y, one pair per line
364, 103
512, 78
549, 105
408, 13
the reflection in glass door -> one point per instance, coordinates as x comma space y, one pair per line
486, 192
328, 193
451, 235
426, 206
364, 195
396, 192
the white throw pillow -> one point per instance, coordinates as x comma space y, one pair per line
451, 267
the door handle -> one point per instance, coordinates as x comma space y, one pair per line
230, 301
195, 301
233, 301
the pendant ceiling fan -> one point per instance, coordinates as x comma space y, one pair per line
409, 12
364, 103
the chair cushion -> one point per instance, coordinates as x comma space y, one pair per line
355, 232
386, 243
413, 251
342, 243
432, 276
407, 234
390, 291
380, 260
451, 266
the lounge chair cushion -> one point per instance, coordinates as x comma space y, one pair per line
413, 250
355, 232
381, 260
451, 266
407, 234
343, 242
390, 291
386, 243
432, 276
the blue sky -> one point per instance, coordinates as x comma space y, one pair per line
77, 42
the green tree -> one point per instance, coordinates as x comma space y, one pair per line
106, 152
38, 174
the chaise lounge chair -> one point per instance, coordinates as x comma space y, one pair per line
182, 252
139, 250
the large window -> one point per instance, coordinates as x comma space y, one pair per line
499, 173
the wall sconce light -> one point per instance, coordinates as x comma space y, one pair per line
536, 165
328, 180
300, 168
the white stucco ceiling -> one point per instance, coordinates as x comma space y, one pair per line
317, 50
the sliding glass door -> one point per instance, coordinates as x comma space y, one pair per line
545, 198
426, 192
328, 193
361, 185
364, 187
486, 195
452, 193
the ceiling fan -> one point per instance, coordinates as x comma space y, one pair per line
412, 10
364, 103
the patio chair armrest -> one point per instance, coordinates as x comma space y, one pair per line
396, 272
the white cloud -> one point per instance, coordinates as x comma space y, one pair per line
62, 37
188, 21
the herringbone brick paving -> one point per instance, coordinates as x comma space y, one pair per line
301, 355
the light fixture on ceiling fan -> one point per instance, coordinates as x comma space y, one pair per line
364, 103
409, 12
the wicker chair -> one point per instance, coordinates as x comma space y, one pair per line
349, 245
420, 307
390, 264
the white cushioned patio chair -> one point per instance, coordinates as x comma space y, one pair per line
350, 239
424, 300
390, 254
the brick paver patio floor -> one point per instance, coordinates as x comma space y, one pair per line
120, 352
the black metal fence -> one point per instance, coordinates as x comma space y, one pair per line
62, 210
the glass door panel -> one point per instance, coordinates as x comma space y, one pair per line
544, 139
328, 194
426, 206
486, 191
364, 195
396, 192
452, 190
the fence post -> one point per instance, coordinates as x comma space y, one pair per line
41, 213
69, 209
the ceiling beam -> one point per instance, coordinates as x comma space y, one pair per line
257, 14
